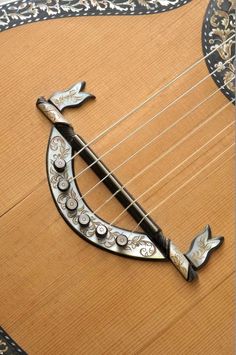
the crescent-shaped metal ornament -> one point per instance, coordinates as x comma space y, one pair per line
150, 244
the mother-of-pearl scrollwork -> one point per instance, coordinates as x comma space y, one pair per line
139, 245
20, 12
219, 26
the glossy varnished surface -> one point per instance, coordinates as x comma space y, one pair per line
60, 294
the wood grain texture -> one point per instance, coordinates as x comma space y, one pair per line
61, 295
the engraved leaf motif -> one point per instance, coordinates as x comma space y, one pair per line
179, 263
68, 8
201, 247
229, 78
179, 260
42, 6
90, 230
144, 3
109, 241
72, 96
16, 16
148, 248
58, 144
219, 17
136, 241
118, 6
62, 198
73, 194
55, 177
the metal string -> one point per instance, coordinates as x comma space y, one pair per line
179, 165
167, 151
155, 94
150, 142
146, 123
184, 184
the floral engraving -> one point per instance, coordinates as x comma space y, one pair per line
147, 247
55, 176
58, 144
179, 260
139, 245
220, 23
63, 197
201, 247
74, 96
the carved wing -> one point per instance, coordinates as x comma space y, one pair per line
71, 97
202, 246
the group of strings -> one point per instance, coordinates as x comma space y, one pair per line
198, 127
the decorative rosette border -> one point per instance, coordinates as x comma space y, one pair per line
8, 346
21, 12
218, 26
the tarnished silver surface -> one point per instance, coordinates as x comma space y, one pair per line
139, 245
179, 260
202, 246
51, 112
70, 97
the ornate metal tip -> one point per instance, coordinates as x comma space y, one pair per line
197, 256
202, 247
50, 111
71, 97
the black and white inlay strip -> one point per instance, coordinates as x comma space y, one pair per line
21, 12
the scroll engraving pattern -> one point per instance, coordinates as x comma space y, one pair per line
179, 260
144, 247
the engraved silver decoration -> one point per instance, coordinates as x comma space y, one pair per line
201, 248
51, 112
139, 245
179, 260
71, 97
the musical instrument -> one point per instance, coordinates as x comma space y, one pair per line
161, 141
